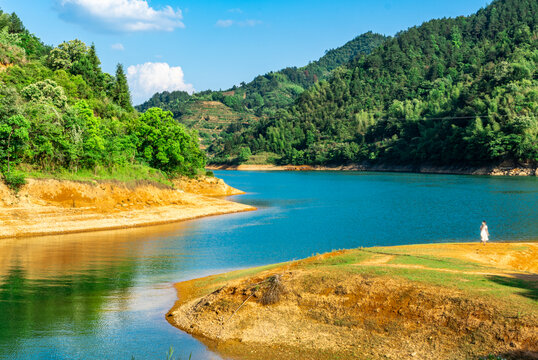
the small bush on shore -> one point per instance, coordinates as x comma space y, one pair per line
273, 291
14, 180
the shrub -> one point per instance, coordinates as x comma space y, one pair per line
273, 291
244, 154
14, 181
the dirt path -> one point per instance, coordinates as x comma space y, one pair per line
422, 267
508, 256
378, 260
502, 260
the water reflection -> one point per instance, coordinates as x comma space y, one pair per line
67, 287
45, 256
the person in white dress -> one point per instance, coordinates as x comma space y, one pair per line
484, 233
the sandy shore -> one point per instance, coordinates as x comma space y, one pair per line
508, 170
440, 301
46, 207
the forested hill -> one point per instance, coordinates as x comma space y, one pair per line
60, 114
269, 92
451, 91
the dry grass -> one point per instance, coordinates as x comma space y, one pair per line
273, 291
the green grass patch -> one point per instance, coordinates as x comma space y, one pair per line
14, 180
349, 258
126, 173
500, 288
437, 263
262, 158
519, 248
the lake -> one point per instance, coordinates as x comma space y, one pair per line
104, 294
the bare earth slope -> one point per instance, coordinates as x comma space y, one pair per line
443, 301
44, 207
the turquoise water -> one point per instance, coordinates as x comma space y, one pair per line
104, 295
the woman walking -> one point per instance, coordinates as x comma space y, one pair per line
484, 233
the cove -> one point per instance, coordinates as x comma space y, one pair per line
104, 294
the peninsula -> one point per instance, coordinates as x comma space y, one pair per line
48, 206
441, 301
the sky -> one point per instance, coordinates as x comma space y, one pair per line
195, 45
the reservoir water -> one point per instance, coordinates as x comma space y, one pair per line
103, 295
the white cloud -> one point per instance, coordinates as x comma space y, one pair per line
120, 15
244, 23
224, 23
235, 10
249, 23
117, 46
149, 78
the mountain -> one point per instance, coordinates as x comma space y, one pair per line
267, 93
451, 91
274, 90
261, 97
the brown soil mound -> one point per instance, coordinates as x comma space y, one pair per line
321, 313
210, 186
52, 206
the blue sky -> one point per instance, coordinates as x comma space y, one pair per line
198, 45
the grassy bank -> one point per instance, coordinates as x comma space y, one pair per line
442, 301
126, 174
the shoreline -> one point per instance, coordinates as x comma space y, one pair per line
54, 207
427, 301
508, 170
128, 225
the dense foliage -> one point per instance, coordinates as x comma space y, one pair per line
60, 112
165, 144
461, 90
261, 97
175, 101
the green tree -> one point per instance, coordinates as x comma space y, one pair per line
13, 140
120, 91
89, 67
66, 54
93, 142
244, 154
46, 91
165, 144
